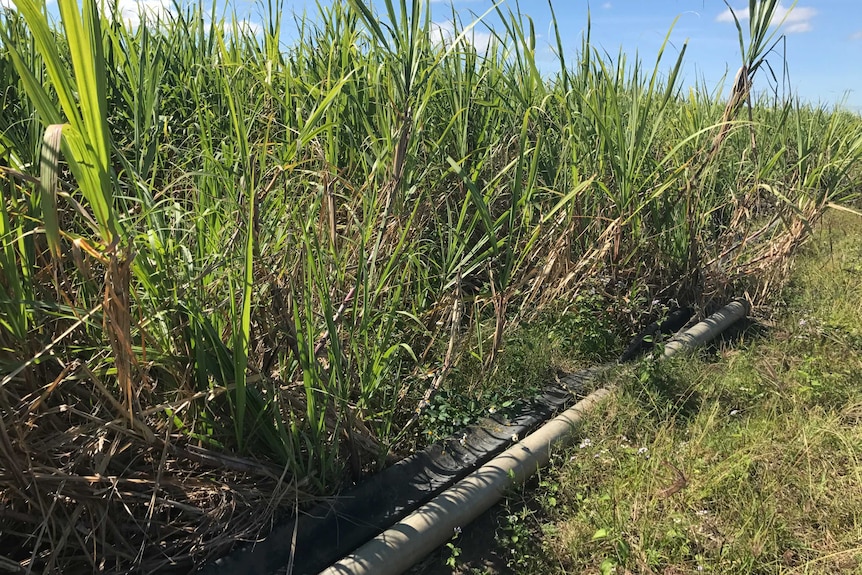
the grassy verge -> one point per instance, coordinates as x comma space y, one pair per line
744, 459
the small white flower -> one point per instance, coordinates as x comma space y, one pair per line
515, 437
492, 410
701, 512
642, 450
463, 440
457, 531
585, 443
734, 412
803, 322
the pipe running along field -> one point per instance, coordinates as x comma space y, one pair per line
408, 541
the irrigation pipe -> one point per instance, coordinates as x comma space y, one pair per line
408, 541
707, 330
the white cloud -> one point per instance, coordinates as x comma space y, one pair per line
444, 33
856, 35
794, 21
798, 27
132, 11
251, 26
607, 5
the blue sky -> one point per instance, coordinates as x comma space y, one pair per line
823, 37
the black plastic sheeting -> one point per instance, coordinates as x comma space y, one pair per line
651, 335
330, 531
